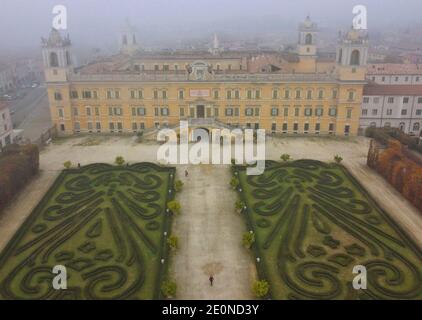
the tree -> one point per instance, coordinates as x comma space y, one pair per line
169, 289
119, 160
178, 185
234, 182
67, 164
285, 157
174, 206
248, 239
338, 159
173, 242
260, 288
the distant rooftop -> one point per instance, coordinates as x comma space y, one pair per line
392, 90
394, 68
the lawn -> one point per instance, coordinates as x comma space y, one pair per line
313, 222
105, 224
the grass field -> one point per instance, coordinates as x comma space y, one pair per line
313, 222
105, 224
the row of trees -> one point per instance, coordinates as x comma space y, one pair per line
18, 164
384, 135
398, 169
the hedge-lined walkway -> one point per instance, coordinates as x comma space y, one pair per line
210, 234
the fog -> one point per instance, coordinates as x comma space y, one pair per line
96, 23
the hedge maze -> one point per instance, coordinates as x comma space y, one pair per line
105, 224
313, 223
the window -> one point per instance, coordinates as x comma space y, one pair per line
182, 112
284, 127
134, 126
73, 94
119, 126
349, 113
274, 112
295, 127
275, 94
57, 96
142, 126
297, 112
273, 127
389, 112
90, 126
97, 111
404, 112
346, 129
229, 95
309, 95
351, 95
75, 112
319, 112
88, 111
181, 94
297, 94
306, 127
155, 94
364, 112
390, 100
387, 124
215, 94
156, 67
416, 126
77, 127
417, 79
166, 67
374, 112
383, 79
136, 94
236, 94
376, 100
249, 112
308, 39
308, 112
366, 100
287, 94
256, 112
257, 94
321, 94
165, 112
317, 127
331, 127
229, 112
286, 112
420, 100
397, 79
98, 126
60, 110
406, 100
332, 112
419, 112
355, 58
334, 94
113, 94
164, 94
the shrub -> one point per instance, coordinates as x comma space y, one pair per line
248, 239
178, 185
239, 205
234, 182
169, 288
338, 159
174, 206
119, 161
173, 242
285, 157
260, 288
67, 164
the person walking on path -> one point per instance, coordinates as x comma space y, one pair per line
211, 280
186, 173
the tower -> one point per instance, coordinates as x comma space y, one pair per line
215, 45
127, 39
56, 51
307, 38
352, 55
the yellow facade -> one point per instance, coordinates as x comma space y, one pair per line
281, 93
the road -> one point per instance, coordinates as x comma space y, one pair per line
31, 112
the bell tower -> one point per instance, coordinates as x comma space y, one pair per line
57, 58
308, 31
352, 55
127, 40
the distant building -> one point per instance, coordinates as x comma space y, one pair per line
6, 126
394, 73
397, 106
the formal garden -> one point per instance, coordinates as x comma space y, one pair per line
109, 226
310, 223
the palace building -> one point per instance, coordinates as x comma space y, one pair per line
300, 92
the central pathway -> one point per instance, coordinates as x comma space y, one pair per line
210, 234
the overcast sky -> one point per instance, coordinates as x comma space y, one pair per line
96, 22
